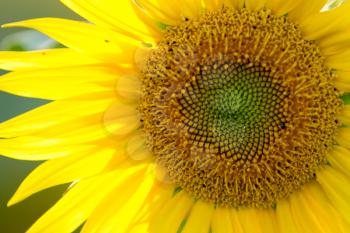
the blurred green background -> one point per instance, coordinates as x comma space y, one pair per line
18, 218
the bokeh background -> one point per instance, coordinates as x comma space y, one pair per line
18, 218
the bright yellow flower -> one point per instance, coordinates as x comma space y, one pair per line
188, 116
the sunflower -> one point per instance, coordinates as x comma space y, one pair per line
189, 116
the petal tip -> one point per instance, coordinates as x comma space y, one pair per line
13, 201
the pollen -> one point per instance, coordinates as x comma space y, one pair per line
238, 108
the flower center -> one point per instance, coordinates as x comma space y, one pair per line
233, 109
238, 108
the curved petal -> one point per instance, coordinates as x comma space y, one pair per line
282, 7
117, 214
79, 202
166, 12
50, 115
85, 38
336, 186
84, 131
191, 8
34, 148
174, 212
254, 5
285, 221
340, 160
121, 119
343, 137
43, 59
217, 4
129, 87
313, 212
59, 83
268, 220
236, 223
326, 23
339, 61
172, 12
344, 116
306, 9
136, 147
63, 170
336, 44
245, 217
221, 221
199, 219
119, 15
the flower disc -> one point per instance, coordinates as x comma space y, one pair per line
238, 108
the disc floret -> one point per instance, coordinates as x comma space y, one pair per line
238, 108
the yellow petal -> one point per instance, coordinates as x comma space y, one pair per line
43, 59
237, 4
165, 14
340, 159
82, 132
85, 38
136, 147
140, 58
339, 61
200, 218
117, 211
172, 215
52, 114
343, 87
344, 115
191, 8
221, 221
286, 223
59, 83
335, 43
217, 4
326, 23
79, 202
34, 148
343, 137
116, 15
322, 210
245, 217
172, 12
342, 82
236, 223
282, 7
254, 5
129, 86
313, 212
306, 9
268, 220
157, 199
211, 4
140, 228
63, 170
121, 119
336, 186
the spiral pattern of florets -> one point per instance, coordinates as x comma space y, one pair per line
238, 108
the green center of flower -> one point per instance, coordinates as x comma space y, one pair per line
234, 109
238, 108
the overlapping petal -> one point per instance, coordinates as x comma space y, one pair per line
80, 201
60, 83
121, 16
41, 59
85, 38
